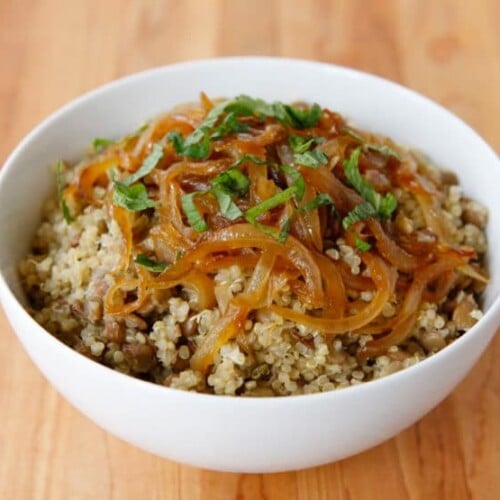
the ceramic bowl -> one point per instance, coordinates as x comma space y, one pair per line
229, 433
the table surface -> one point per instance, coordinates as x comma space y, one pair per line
53, 50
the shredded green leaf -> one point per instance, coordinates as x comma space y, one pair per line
146, 262
312, 159
298, 184
232, 181
134, 198
293, 116
60, 192
387, 206
300, 144
352, 133
250, 158
197, 149
192, 213
383, 149
383, 206
228, 208
229, 125
320, 200
197, 144
361, 212
147, 166
99, 144
362, 245
278, 199
295, 190
304, 118
303, 155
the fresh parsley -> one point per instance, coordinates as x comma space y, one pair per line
227, 207
250, 158
146, 262
320, 200
312, 159
359, 213
303, 155
193, 215
196, 148
99, 144
134, 198
229, 125
292, 116
362, 245
232, 181
375, 204
385, 150
295, 190
148, 165
197, 144
60, 192
380, 148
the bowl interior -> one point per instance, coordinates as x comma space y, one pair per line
120, 107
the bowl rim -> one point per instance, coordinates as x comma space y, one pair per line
6, 293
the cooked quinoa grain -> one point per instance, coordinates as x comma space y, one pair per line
73, 267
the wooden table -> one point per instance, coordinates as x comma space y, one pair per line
53, 50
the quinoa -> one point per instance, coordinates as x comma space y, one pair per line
70, 270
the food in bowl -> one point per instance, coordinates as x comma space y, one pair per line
242, 247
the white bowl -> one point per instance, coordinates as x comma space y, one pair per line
227, 433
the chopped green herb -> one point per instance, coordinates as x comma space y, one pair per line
251, 158
304, 118
383, 206
295, 190
300, 144
312, 159
387, 206
193, 215
178, 255
362, 245
229, 124
352, 133
134, 198
226, 204
147, 166
320, 200
60, 192
303, 155
197, 149
278, 199
146, 262
383, 149
293, 116
99, 144
232, 181
244, 105
361, 212
298, 184
197, 144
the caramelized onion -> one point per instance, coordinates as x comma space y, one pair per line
384, 280
408, 312
234, 319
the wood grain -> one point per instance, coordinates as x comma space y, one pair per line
53, 50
